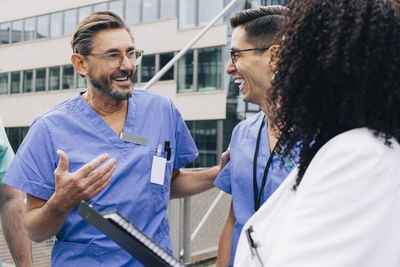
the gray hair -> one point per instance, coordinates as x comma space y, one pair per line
82, 39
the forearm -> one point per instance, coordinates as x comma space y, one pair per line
225, 241
45, 221
12, 212
224, 249
188, 183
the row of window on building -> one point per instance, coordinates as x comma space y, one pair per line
257, 3
191, 13
40, 80
203, 132
199, 70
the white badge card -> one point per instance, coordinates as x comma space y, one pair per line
158, 170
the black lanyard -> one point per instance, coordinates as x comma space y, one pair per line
257, 197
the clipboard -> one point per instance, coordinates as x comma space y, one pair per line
128, 236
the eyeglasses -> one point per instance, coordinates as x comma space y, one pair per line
235, 52
115, 59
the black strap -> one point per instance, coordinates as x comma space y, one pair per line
257, 197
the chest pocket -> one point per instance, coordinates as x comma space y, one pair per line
157, 188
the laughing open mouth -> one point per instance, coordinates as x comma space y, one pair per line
121, 78
240, 81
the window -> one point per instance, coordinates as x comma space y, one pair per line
257, 3
68, 77
3, 83
100, 7
56, 24
80, 81
117, 7
54, 78
132, 11
16, 34
149, 10
15, 136
5, 33
29, 29
209, 68
69, 21
186, 13
43, 26
204, 134
148, 67
274, 2
200, 70
27, 85
206, 13
185, 72
40, 80
198, 12
164, 59
167, 8
15, 82
83, 12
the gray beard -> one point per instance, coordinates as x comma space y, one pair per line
103, 85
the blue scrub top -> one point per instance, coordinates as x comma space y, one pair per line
237, 176
74, 127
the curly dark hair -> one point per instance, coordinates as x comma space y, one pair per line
339, 70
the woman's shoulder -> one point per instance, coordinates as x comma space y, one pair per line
362, 140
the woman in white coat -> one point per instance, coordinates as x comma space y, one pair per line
337, 89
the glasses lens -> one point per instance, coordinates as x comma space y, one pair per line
114, 59
233, 57
138, 56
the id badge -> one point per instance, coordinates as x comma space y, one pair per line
158, 170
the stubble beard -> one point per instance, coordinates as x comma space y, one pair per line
104, 85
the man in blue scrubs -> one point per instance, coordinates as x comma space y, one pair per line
254, 170
111, 146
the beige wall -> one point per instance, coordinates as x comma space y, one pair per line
35, 54
162, 36
153, 37
156, 37
19, 9
195, 106
21, 110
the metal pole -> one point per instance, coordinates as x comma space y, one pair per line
175, 222
208, 213
187, 47
187, 229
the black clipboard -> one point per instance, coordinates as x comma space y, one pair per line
129, 237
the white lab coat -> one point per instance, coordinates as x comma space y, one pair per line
345, 213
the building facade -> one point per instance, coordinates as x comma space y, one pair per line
36, 72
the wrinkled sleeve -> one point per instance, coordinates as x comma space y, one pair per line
186, 150
32, 169
223, 180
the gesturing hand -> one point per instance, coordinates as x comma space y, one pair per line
82, 184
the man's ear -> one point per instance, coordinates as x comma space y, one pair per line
273, 57
79, 63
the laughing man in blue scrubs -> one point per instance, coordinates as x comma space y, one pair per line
111, 146
255, 170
